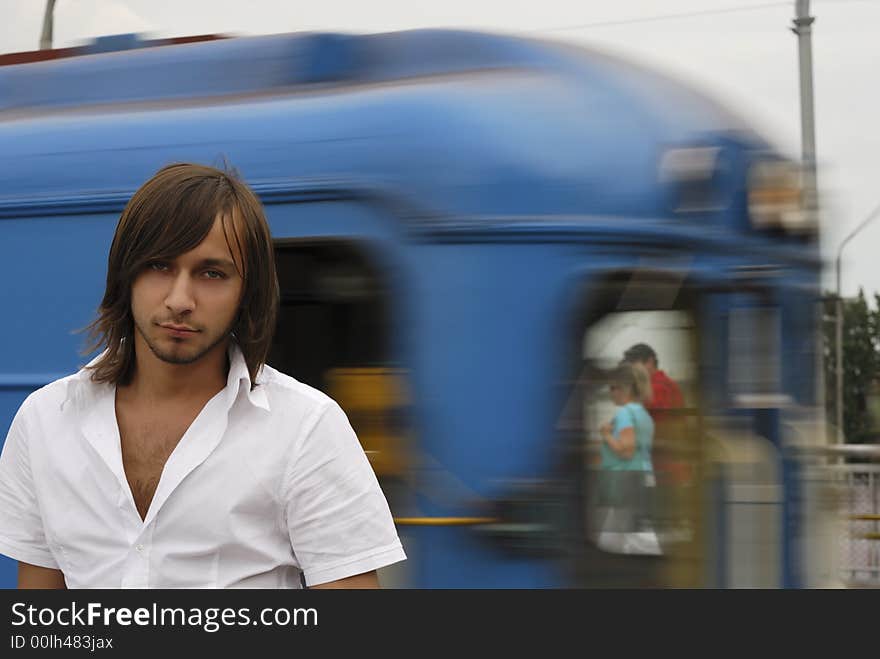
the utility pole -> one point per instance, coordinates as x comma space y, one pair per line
803, 29
48, 23
803, 23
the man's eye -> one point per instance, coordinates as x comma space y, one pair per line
215, 274
158, 266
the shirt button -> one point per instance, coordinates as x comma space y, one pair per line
140, 548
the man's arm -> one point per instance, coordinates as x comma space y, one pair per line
340, 526
365, 580
34, 576
22, 535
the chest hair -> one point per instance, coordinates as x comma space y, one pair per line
148, 438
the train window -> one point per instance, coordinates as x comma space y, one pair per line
333, 333
692, 173
333, 311
754, 354
640, 507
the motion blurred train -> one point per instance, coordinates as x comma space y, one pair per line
470, 230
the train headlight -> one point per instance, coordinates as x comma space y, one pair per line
776, 198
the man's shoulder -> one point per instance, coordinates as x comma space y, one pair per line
661, 378
56, 393
667, 394
286, 390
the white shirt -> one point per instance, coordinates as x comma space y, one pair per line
263, 486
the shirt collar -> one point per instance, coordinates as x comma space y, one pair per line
237, 380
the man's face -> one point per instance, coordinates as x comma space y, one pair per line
648, 364
184, 308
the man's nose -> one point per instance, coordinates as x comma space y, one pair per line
180, 298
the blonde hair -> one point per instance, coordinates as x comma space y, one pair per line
635, 379
643, 383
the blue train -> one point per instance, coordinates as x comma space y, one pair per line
470, 228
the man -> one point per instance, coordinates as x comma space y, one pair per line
665, 393
177, 458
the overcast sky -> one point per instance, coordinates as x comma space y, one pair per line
746, 57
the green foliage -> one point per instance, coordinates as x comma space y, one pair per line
861, 366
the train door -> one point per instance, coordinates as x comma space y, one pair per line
338, 266
645, 529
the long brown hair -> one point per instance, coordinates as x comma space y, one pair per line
171, 214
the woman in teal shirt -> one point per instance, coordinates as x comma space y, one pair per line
626, 474
627, 439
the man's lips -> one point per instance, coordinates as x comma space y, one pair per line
180, 329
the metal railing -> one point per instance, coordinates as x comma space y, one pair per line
857, 493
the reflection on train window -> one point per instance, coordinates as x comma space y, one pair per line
333, 333
631, 514
641, 510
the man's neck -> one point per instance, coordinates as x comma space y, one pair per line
160, 381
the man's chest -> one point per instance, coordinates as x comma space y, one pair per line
213, 489
147, 440
193, 531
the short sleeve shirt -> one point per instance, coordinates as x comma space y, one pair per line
631, 415
266, 485
665, 395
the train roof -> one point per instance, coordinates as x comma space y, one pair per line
469, 123
127, 69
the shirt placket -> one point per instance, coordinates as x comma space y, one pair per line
136, 572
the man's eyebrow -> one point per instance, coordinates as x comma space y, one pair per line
217, 262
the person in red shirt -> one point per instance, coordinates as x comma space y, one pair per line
665, 396
665, 392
